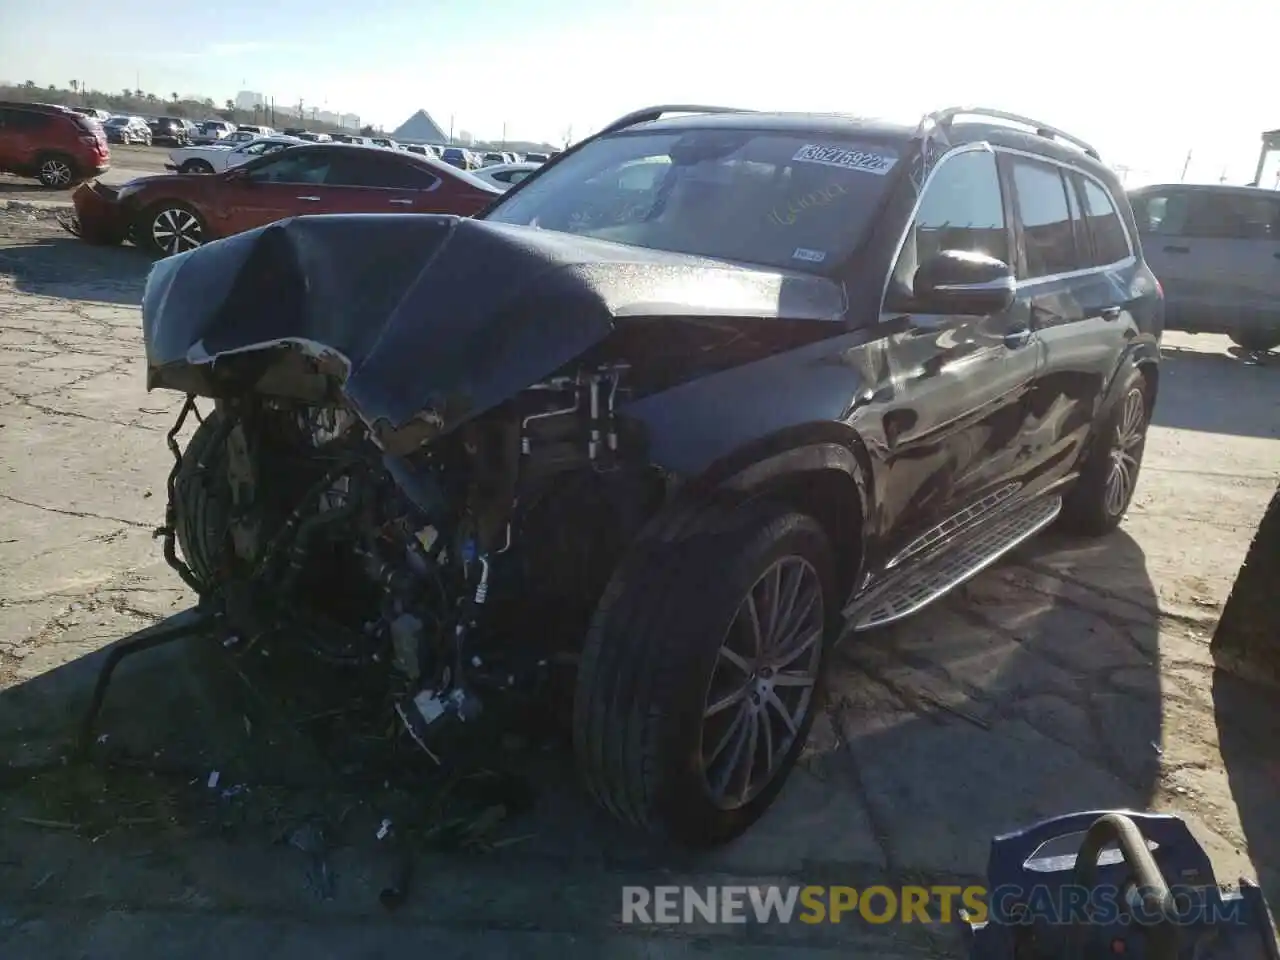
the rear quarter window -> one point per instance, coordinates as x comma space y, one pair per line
1110, 241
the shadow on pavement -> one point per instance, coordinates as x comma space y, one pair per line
1248, 716
1021, 697
1203, 391
72, 269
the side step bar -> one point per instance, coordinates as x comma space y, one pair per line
915, 588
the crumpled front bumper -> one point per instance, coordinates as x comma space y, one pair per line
98, 218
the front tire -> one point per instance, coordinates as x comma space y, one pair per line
702, 673
171, 227
1102, 494
196, 166
202, 500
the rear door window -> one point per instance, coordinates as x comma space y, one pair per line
1048, 236
365, 168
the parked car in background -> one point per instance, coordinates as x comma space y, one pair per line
385, 143
56, 146
536, 158
506, 175
420, 149
212, 131
216, 158
315, 137
170, 130
493, 157
127, 130
461, 158
172, 214
256, 129
102, 116
1216, 251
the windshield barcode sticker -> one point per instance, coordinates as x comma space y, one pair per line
811, 256
845, 158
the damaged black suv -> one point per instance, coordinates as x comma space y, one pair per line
708, 390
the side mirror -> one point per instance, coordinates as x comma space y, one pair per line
961, 282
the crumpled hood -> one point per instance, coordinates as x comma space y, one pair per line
436, 313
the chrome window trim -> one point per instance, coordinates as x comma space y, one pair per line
985, 147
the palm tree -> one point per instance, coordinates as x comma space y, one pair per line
174, 96
231, 106
29, 85
1248, 635
75, 85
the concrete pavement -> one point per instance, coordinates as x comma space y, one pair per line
1074, 676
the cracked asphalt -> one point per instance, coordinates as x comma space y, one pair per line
1076, 675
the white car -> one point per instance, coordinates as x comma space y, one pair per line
222, 156
505, 175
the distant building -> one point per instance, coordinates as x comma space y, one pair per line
349, 121
420, 128
248, 100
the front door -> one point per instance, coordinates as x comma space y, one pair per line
287, 184
950, 397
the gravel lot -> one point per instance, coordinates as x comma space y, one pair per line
1074, 676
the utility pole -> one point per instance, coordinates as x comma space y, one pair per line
1185, 167
504, 134
451, 128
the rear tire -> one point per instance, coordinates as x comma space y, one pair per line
56, 171
655, 658
1102, 494
1256, 341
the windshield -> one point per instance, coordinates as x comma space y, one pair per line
795, 202
118, 122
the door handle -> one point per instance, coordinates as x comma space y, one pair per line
403, 203
1017, 338
313, 199
1173, 249
1110, 313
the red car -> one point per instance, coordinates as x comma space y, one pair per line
175, 213
55, 145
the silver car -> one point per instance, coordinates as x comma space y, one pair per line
1216, 251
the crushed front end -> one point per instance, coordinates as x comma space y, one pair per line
461, 568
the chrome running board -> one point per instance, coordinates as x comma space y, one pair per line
910, 590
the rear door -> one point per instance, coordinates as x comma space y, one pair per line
1075, 266
23, 136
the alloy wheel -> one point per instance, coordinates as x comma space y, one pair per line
1126, 452
763, 684
175, 230
55, 173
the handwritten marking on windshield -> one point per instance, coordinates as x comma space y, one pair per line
784, 217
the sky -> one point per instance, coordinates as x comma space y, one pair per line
1147, 83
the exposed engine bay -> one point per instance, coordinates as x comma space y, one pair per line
465, 567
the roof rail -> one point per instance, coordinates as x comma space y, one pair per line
654, 113
943, 118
